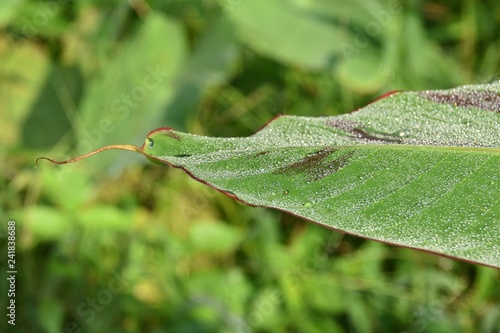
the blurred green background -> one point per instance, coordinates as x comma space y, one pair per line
116, 244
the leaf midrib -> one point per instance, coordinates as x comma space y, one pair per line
484, 150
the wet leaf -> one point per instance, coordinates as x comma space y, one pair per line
415, 169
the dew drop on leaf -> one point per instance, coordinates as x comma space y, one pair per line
150, 143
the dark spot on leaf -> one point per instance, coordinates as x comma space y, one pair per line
357, 132
183, 155
308, 162
486, 100
315, 165
360, 134
261, 153
342, 124
172, 135
339, 163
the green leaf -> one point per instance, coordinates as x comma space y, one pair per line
68, 197
45, 224
24, 69
281, 30
416, 169
51, 314
8, 9
50, 105
140, 76
209, 65
105, 218
214, 238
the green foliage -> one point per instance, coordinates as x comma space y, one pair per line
113, 243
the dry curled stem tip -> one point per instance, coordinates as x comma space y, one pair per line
121, 147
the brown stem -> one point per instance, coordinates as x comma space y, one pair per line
122, 147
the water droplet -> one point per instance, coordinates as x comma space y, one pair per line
308, 205
150, 143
